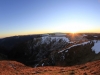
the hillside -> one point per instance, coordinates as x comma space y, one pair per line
7, 43
47, 51
57, 50
16, 68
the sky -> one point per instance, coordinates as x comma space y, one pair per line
22, 17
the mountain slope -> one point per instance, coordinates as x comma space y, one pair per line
16, 68
10, 42
52, 50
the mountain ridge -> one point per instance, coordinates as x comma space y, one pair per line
55, 49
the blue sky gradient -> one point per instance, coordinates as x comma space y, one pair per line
22, 17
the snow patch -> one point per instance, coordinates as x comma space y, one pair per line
61, 51
96, 46
84, 43
54, 37
66, 51
42, 64
79, 44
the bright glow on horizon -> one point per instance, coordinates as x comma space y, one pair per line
23, 17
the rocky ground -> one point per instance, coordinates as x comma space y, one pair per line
16, 68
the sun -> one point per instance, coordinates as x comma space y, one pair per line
73, 30
73, 27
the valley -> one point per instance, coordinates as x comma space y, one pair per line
60, 53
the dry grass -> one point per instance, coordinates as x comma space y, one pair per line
15, 68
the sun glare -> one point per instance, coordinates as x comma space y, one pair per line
73, 30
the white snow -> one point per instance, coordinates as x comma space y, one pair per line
55, 37
61, 50
79, 44
74, 46
66, 51
42, 64
96, 46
